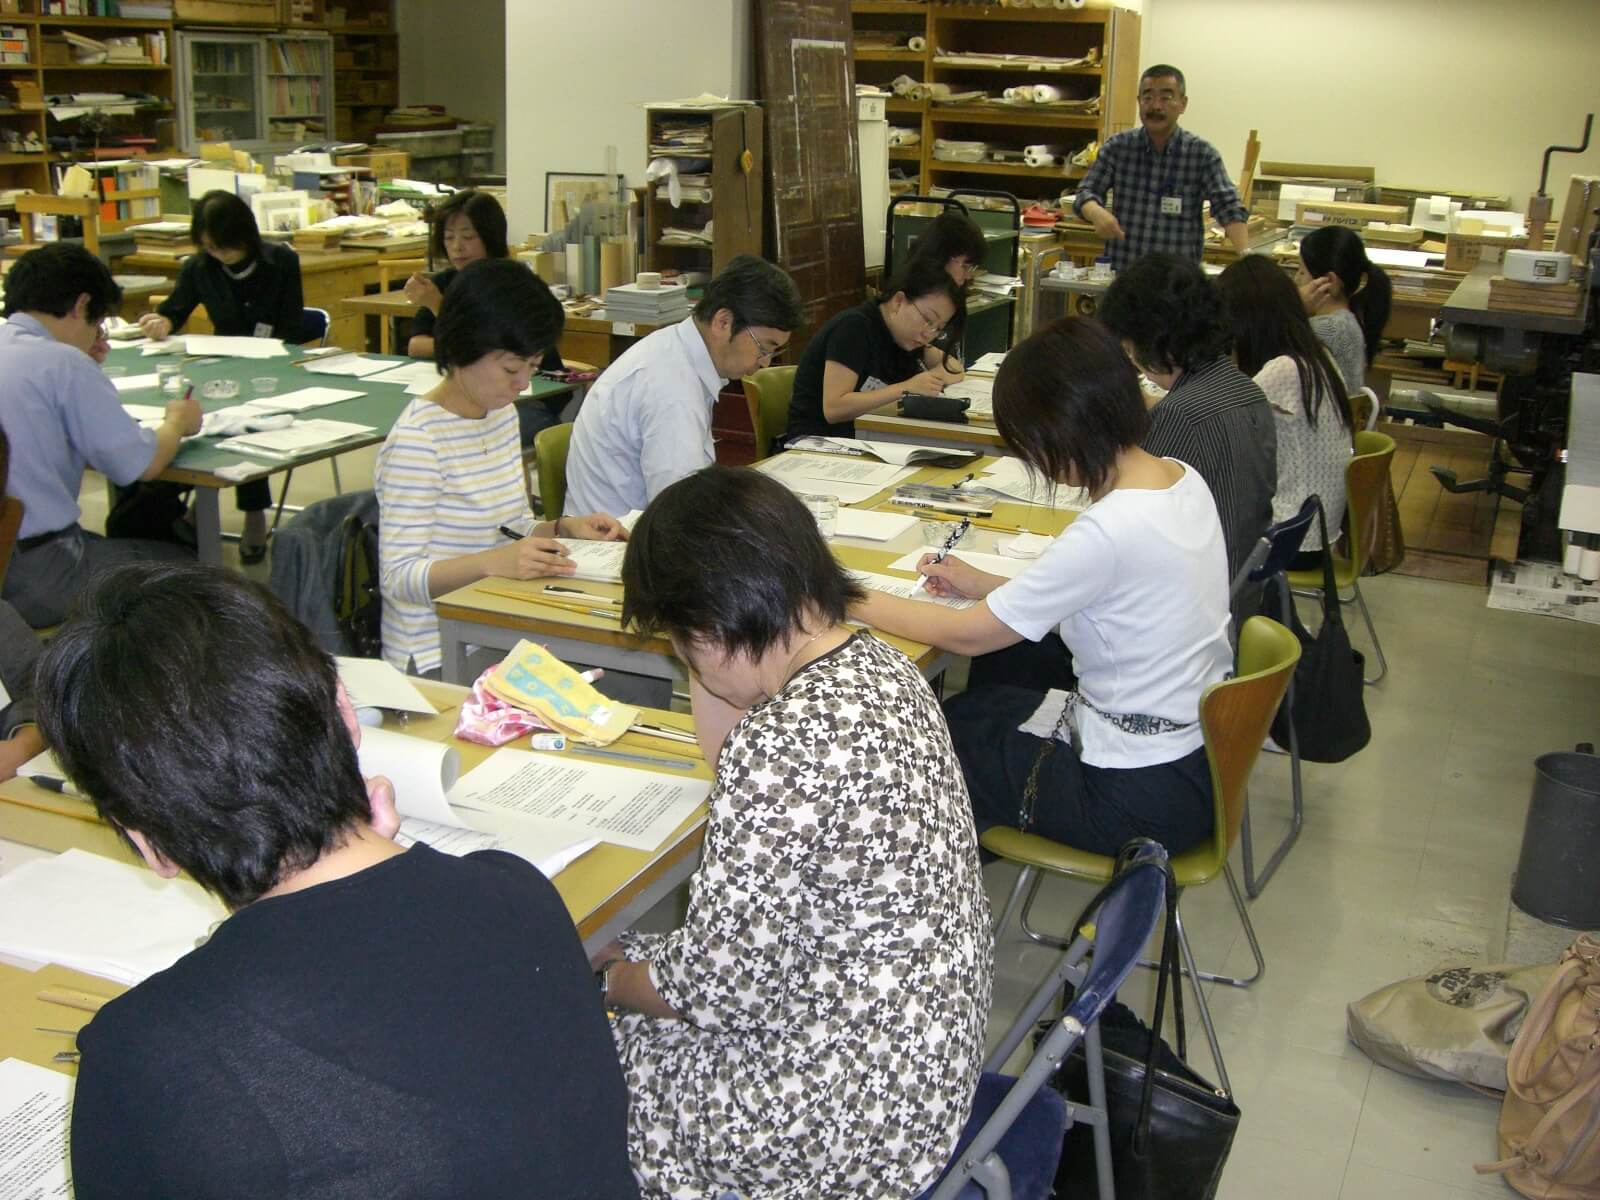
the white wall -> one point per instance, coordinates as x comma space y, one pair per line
1464, 94
451, 54
579, 70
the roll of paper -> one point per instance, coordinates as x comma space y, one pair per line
1573, 559
1045, 93
612, 265
937, 91
1589, 566
1021, 94
575, 267
903, 85
917, 45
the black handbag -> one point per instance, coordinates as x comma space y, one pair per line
1328, 705
935, 408
1171, 1131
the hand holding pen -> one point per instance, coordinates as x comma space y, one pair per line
529, 557
950, 542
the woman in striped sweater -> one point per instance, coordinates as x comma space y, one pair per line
449, 477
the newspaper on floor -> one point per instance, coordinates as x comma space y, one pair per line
1544, 589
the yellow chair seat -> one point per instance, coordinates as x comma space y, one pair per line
767, 393
1196, 866
1344, 575
550, 458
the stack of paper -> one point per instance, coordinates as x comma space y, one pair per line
851, 480
348, 364
906, 589
304, 398
234, 347
664, 305
299, 438
107, 918
1012, 478
35, 1112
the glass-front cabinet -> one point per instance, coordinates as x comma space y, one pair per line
254, 90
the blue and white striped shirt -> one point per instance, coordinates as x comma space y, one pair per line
445, 485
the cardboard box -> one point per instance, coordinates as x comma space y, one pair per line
1332, 212
1463, 251
226, 12
384, 164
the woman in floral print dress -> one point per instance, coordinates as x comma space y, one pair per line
816, 1026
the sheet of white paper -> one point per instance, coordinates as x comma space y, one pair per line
978, 393
236, 472
873, 526
171, 345
906, 589
903, 453
987, 364
146, 412
1290, 194
845, 493
1410, 259
995, 564
630, 518
1011, 477
43, 765
353, 365
1023, 545
551, 850
234, 347
135, 383
837, 468
311, 397
621, 805
406, 374
422, 772
600, 562
35, 1114
373, 683
311, 434
110, 919
207, 179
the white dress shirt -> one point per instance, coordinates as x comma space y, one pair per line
646, 423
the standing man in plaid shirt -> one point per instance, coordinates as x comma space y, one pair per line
1160, 174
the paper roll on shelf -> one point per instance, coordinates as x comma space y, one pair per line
1020, 95
917, 44
1045, 93
1043, 155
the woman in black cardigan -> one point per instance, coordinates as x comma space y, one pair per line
250, 288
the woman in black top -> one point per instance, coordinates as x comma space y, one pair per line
250, 288
866, 356
468, 227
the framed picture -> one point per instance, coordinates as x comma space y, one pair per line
280, 212
565, 194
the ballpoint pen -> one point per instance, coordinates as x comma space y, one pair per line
594, 597
508, 532
956, 535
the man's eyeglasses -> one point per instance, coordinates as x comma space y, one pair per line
767, 356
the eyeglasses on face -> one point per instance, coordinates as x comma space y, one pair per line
768, 356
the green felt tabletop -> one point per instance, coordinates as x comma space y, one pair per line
379, 406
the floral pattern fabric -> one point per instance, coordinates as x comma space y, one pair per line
833, 969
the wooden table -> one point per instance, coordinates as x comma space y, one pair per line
325, 278
197, 461
386, 306
497, 613
605, 891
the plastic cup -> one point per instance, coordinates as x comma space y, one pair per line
264, 385
169, 375
936, 533
825, 511
113, 372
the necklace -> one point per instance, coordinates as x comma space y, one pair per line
790, 669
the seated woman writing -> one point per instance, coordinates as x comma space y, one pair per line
815, 1027
467, 228
1274, 344
367, 1021
250, 288
449, 477
1138, 587
866, 356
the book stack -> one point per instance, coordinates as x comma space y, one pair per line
1550, 299
163, 239
664, 305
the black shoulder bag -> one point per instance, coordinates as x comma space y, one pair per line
1327, 704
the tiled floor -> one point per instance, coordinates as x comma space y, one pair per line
1404, 864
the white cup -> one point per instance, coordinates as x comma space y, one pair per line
648, 281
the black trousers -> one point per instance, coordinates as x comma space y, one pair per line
1090, 808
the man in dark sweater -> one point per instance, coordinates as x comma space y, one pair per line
369, 1021
1213, 416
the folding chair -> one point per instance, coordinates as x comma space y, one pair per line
1011, 1145
1267, 564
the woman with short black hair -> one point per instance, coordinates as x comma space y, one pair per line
823, 1004
450, 476
250, 288
468, 227
1137, 586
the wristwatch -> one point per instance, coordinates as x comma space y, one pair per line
603, 978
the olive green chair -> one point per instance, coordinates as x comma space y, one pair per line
550, 460
767, 392
1235, 716
1364, 479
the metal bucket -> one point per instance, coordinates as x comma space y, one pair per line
1558, 871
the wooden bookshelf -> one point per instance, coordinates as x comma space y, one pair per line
736, 205
366, 59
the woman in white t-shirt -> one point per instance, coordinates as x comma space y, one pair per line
1137, 586
449, 478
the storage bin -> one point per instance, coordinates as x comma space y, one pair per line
1558, 871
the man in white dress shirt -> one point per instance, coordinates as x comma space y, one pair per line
646, 423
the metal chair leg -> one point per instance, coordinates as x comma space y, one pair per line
283, 498
1254, 884
338, 488
1099, 1126
1034, 935
1372, 632
1195, 976
1012, 900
